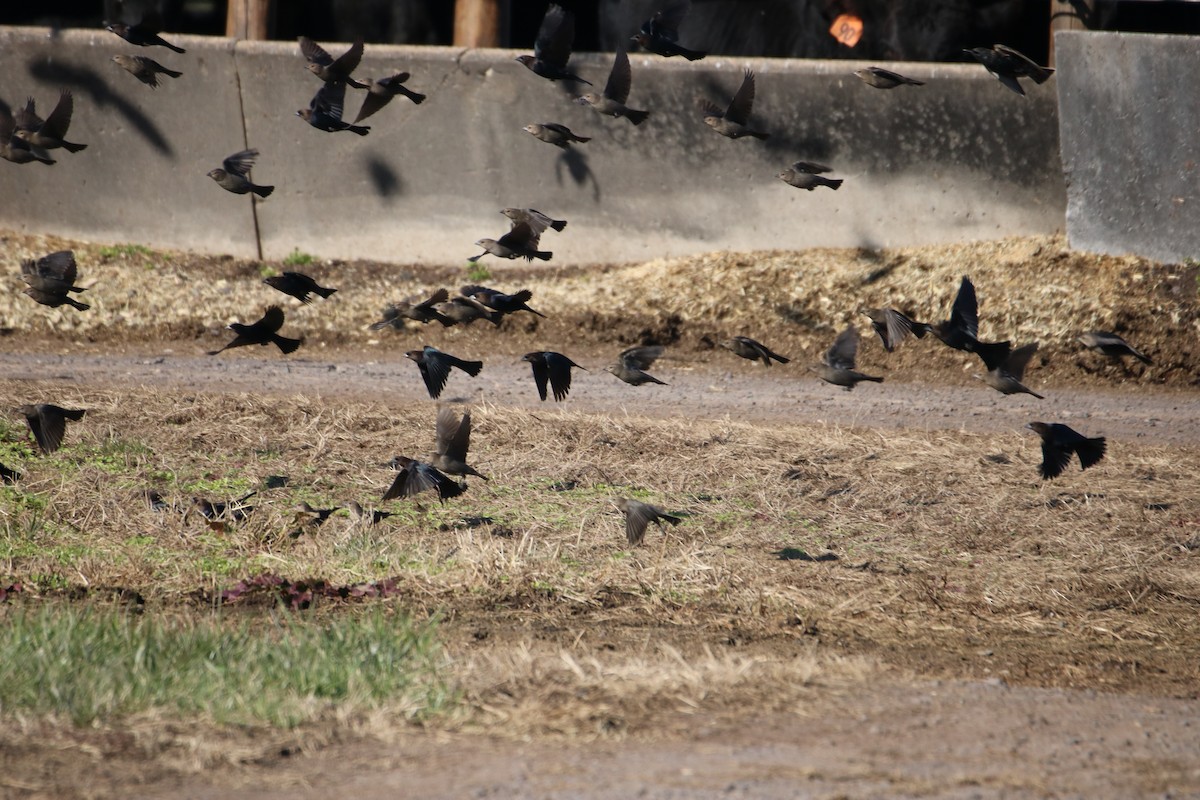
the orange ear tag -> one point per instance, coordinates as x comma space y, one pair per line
847, 29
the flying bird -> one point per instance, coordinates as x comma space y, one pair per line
51, 277
325, 67
837, 365
1007, 65
16, 150
381, 92
263, 332
660, 33
50, 133
1006, 378
372, 517
144, 33
554, 368
555, 134
299, 286
639, 515
632, 364
144, 69
324, 111
882, 78
453, 441
415, 477
501, 302
422, 311
807, 175
748, 348
1059, 443
611, 102
521, 241
893, 327
1112, 345
48, 423
465, 310
961, 331
234, 174
534, 218
435, 367
734, 121
552, 48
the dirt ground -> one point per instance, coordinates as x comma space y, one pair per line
947, 704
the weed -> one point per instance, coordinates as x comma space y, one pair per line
296, 258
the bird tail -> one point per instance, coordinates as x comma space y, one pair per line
1035, 394
777, 357
1142, 357
285, 344
262, 191
636, 117
324, 292
872, 379
361, 130
76, 414
758, 135
378, 326
76, 303
71, 147
691, 55
833, 183
472, 368
171, 72
583, 138
544, 255
416, 97
1042, 75
919, 329
473, 259
671, 518
558, 224
1090, 451
173, 47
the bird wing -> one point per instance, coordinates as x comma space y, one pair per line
453, 434
521, 237
559, 367
541, 373
637, 517
271, 321
58, 266
435, 369
393, 81
48, 426
1018, 359
620, 78
964, 314
743, 102
1011, 82
59, 120
372, 103
665, 23
474, 289
330, 99
842, 353
314, 53
347, 62
440, 296
240, 163
898, 327
811, 167
26, 118
640, 357
1023, 62
1055, 457
709, 108
554, 39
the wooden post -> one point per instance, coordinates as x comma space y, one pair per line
477, 23
1069, 15
248, 19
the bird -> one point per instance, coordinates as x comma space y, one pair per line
882, 78
611, 102
263, 332
308, 515
453, 441
48, 423
639, 515
837, 365
746, 347
323, 65
660, 33
18, 151
224, 510
533, 216
48, 135
415, 477
521, 241
733, 121
632, 363
1007, 65
1112, 345
298, 285
466, 310
807, 175
893, 327
1006, 378
423, 311
435, 367
9, 475
324, 111
552, 48
1058, 444
234, 174
144, 33
961, 331
554, 368
51, 277
501, 302
380, 92
144, 69
372, 517
555, 134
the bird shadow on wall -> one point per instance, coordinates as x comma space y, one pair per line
88, 81
387, 183
576, 166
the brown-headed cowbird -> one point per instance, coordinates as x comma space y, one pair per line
372, 517
16, 150
323, 65
48, 423
806, 175
298, 285
381, 92
1007, 377
234, 174
632, 363
1058, 444
499, 301
144, 69
415, 477
307, 515
961, 331
521, 241
554, 368
837, 365
417, 310
453, 441
534, 218
660, 33
893, 327
49, 135
733, 121
263, 332
1112, 345
435, 367
51, 277
9, 475
882, 78
552, 48
611, 102
554, 133
748, 348
465, 310
144, 33
1008, 65
324, 111
639, 515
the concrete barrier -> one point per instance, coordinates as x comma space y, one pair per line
958, 159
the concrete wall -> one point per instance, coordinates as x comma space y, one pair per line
961, 158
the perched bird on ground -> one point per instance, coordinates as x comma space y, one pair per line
807, 175
465, 310
298, 285
504, 303
555, 134
435, 367
453, 441
49, 135
51, 277
639, 515
263, 332
1008, 65
323, 65
144, 33
660, 33
1006, 378
381, 92
632, 363
837, 365
893, 327
554, 368
733, 121
1058, 444
961, 331
224, 510
18, 151
552, 48
882, 78
234, 174
521, 241
534, 218
372, 517
8, 475
324, 111
144, 69
415, 477
1112, 345
611, 102
746, 347
314, 516
48, 423
418, 311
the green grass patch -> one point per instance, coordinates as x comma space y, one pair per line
478, 273
296, 258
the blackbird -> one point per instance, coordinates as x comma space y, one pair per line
48, 423
962, 329
381, 92
18, 151
807, 175
554, 368
234, 174
415, 477
224, 510
1112, 345
144, 69
51, 277
435, 367
660, 33
453, 441
555, 134
298, 285
533, 217
552, 48
466, 310
417, 310
1058, 444
639, 515
1008, 65
893, 327
144, 33
632, 363
372, 517
323, 65
746, 347
308, 515
48, 134
611, 102
882, 78
838, 362
504, 303
324, 111
263, 332
733, 121
521, 241
1007, 377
